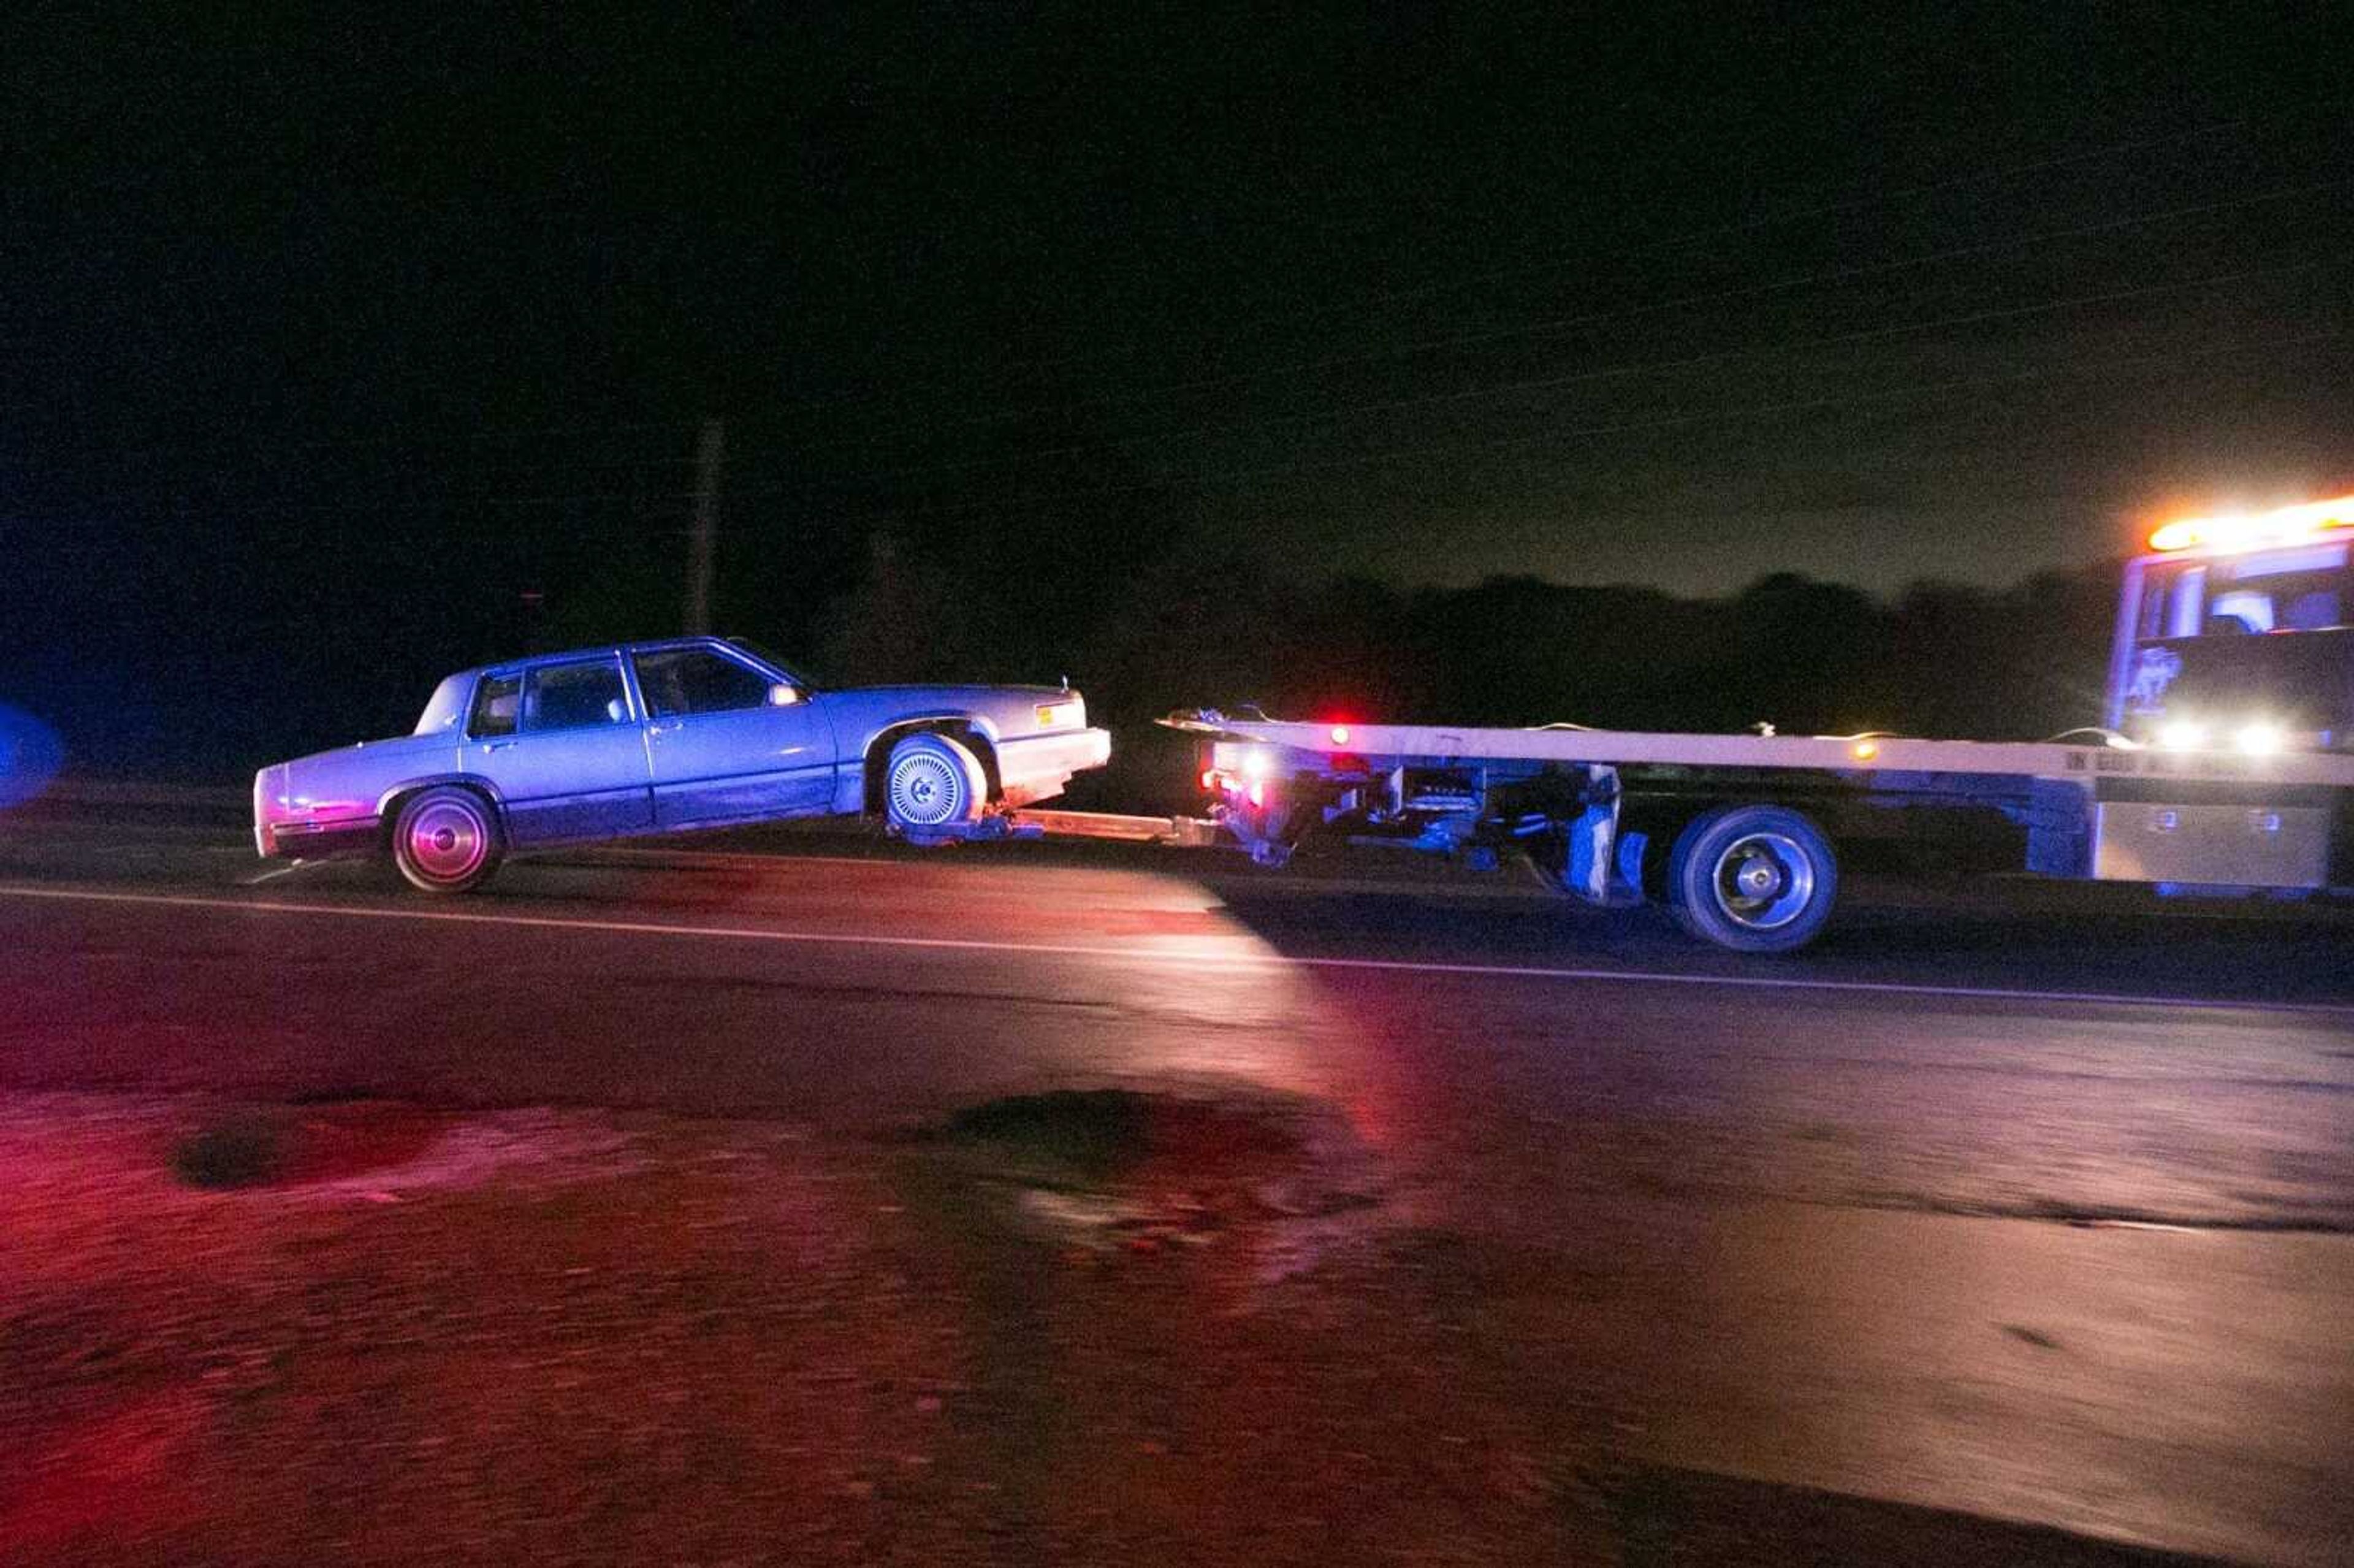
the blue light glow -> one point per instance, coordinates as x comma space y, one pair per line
30, 755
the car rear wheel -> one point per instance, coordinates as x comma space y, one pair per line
1756, 879
445, 839
933, 783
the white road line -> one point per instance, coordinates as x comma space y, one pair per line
276, 872
1149, 955
1325, 885
714, 857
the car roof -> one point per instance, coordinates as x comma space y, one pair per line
605, 650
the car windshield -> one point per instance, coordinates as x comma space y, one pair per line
2307, 588
768, 657
2263, 635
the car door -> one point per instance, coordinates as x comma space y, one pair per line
727, 741
564, 749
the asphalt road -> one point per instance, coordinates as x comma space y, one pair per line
2010, 1203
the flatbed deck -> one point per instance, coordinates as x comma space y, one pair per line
1868, 753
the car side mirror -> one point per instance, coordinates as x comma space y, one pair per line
781, 695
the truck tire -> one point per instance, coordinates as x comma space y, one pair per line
445, 839
1756, 879
932, 786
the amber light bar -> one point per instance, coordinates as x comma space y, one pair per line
2251, 531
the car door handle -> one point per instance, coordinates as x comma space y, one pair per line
670, 728
497, 745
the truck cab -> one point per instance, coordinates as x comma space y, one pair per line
2237, 634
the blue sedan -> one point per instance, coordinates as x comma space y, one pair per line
668, 736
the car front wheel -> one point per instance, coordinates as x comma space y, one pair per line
445, 839
932, 784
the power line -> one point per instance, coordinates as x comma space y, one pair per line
1245, 476
1559, 325
1827, 209
1616, 372
1384, 297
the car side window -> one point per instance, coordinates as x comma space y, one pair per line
697, 681
574, 696
497, 697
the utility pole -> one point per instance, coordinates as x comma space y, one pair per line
708, 454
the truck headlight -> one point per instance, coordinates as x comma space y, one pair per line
2261, 738
2183, 734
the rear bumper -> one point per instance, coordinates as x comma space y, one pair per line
317, 840
269, 797
278, 833
1035, 767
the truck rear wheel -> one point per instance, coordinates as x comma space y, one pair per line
1756, 879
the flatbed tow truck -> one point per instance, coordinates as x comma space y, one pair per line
2224, 764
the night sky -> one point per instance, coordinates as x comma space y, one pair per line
336, 327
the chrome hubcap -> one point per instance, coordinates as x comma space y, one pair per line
925, 789
1763, 881
447, 841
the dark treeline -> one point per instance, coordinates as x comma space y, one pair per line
1940, 659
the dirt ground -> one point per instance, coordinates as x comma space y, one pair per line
1086, 1327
